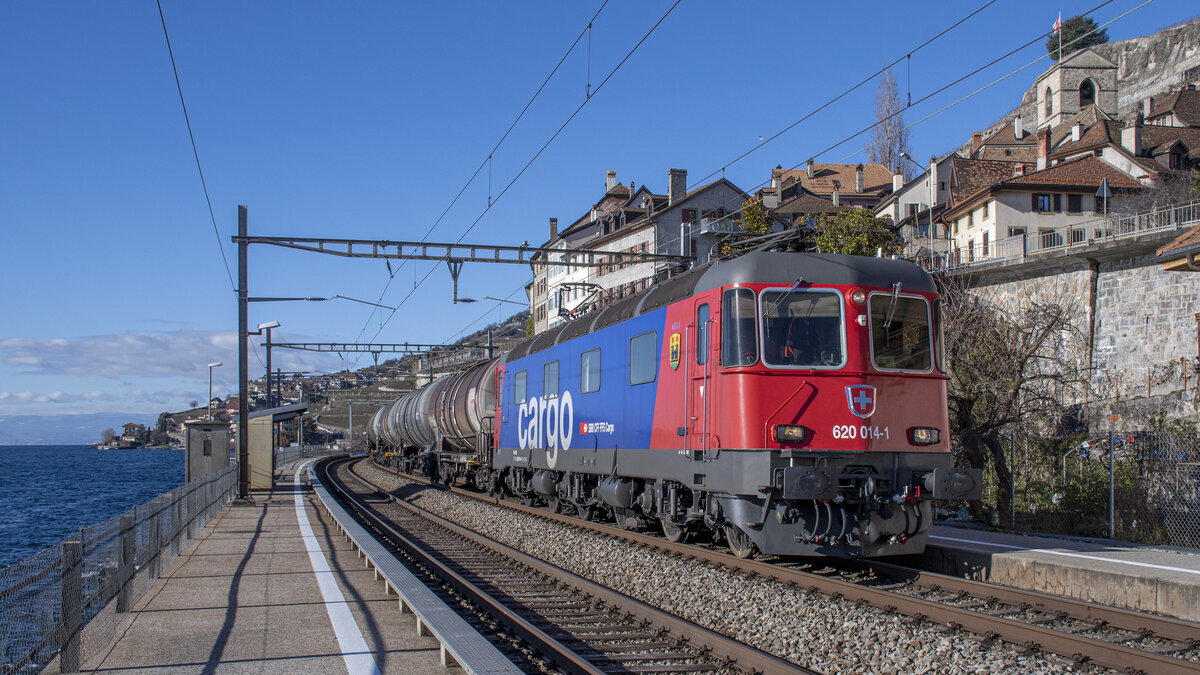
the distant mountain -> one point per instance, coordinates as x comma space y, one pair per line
64, 429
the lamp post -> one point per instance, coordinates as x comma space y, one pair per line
267, 327
210, 367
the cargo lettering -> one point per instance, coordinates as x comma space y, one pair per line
546, 423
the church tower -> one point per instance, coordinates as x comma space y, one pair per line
1077, 81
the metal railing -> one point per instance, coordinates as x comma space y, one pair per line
1061, 240
293, 453
95, 576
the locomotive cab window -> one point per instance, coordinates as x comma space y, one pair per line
550, 380
739, 328
939, 337
802, 329
643, 358
589, 371
519, 381
900, 332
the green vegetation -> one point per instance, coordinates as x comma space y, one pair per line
1078, 32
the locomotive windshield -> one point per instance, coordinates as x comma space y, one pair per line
900, 338
739, 339
802, 329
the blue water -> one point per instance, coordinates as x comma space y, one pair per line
50, 491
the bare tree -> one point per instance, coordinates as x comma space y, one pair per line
108, 435
1168, 189
1013, 372
891, 138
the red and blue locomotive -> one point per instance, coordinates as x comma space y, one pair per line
788, 403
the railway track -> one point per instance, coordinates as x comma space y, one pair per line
550, 619
1124, 640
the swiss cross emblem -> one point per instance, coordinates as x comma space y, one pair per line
861, 399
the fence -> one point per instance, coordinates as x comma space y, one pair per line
1063, 239
1142, 487
293, 453
95, 576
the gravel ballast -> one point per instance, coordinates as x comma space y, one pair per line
816, 631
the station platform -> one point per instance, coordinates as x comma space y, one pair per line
244, 598
1164, 580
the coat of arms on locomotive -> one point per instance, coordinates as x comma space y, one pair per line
675, 341
861, 399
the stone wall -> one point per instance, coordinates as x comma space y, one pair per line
1138, 320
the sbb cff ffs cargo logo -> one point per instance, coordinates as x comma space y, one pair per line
861, 399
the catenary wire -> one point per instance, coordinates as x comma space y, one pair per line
195, 152
555, 135
488, 160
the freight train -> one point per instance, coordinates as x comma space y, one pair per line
786, 403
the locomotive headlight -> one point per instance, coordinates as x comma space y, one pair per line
789, 433
858, 297
924, 435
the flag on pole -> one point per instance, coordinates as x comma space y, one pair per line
1057, 24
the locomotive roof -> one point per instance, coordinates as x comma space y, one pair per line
756, 267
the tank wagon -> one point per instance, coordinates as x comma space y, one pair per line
788, 403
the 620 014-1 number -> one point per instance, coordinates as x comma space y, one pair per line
864, 431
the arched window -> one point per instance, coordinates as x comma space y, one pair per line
1087, 93
1049, 102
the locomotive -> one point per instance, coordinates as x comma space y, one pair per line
787, 403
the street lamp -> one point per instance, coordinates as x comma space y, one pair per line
210, 367
267, 327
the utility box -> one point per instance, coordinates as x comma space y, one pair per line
206, 448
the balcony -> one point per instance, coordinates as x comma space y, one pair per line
720, 226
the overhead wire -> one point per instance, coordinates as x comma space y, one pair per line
487, 162
195, 152
537, 154
942, 89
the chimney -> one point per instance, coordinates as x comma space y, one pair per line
812, 169
976, 141
858, 178
553, 229
676, 185
897, 180
1131, 136
836, 197
1147, 106
1076, 132
1043, 144
611, 181
776, 173
1018, 128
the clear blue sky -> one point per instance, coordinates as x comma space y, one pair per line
364, 120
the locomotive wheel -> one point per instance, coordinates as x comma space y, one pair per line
554, 504
528, 500
584, 512
671, 531
739, 542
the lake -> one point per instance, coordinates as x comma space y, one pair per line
50, 491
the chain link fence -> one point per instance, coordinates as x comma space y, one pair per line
1141, 487
96, 576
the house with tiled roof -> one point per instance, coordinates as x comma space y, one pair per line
1178, 109
629, 219
1035, 211
1182, 254
861, 185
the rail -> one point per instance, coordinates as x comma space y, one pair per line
86, 583
458, 641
